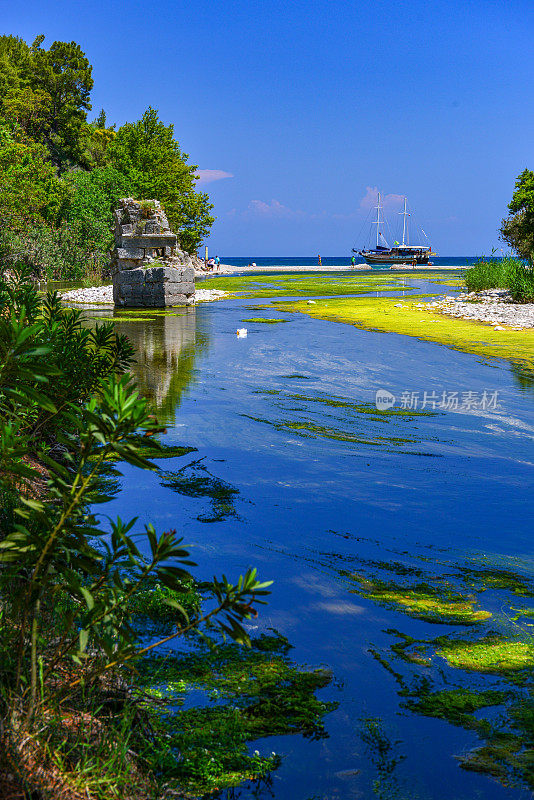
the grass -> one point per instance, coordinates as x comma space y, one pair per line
382, 314
508, 273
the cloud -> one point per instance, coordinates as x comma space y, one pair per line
259, 208
388, 200
210, 175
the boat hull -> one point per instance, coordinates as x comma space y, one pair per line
382, 259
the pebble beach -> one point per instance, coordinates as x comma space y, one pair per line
493, 306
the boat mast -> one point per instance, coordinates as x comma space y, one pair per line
404, 231
377, 223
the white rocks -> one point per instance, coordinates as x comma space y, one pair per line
494, 306
103, 295
207, 295
94, 294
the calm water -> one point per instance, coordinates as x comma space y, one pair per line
332, 261
327, 490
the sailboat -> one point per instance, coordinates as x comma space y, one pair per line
404, 253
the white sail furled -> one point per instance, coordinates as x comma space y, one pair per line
381, 242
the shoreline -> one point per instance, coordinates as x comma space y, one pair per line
227, 269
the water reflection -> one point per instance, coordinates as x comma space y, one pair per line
166, 346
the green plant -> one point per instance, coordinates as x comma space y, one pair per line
147, 208
521, 284
507, 273
67, 585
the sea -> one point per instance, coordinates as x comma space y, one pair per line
285, 262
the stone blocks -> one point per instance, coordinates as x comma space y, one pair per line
156, 287
146, 267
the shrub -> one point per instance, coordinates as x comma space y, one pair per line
490, 274
521, 283
508, 273
65, 584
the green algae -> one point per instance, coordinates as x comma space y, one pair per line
306, 285
246, 694
311, 430
506, 750
265, 320
508, 754
194, 480
157, 450
426, 323
491, 654
457, 706
154, 604
484, 579
131, 318
423, 601
361, 408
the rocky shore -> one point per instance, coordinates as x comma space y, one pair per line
103, 295
493, 306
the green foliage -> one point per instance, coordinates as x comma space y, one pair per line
508, 273
149, 156
64, 74
30, 189
62, 176
67, 585
517, 229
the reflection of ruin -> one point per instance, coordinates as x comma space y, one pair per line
166, 347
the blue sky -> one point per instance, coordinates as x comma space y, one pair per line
310, 106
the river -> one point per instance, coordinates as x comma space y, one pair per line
336, 503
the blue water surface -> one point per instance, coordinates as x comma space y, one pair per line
316, 502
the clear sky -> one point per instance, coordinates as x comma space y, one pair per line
310, 106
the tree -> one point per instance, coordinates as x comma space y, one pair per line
148, 154
47, 93
30, 188
64, 73
517, 229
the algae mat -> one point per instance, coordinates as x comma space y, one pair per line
306, 285
406, 318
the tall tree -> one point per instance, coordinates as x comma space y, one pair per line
517, 229
64, 74
147, 152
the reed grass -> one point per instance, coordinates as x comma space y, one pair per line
508, 273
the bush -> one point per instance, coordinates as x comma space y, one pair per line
507, 273
521, 284
65, 584
486, 274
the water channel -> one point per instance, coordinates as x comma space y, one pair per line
337, 503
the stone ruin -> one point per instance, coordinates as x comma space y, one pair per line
147, 267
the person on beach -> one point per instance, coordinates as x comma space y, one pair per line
320, 262
217, 262
353, 262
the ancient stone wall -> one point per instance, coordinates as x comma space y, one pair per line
148, 269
